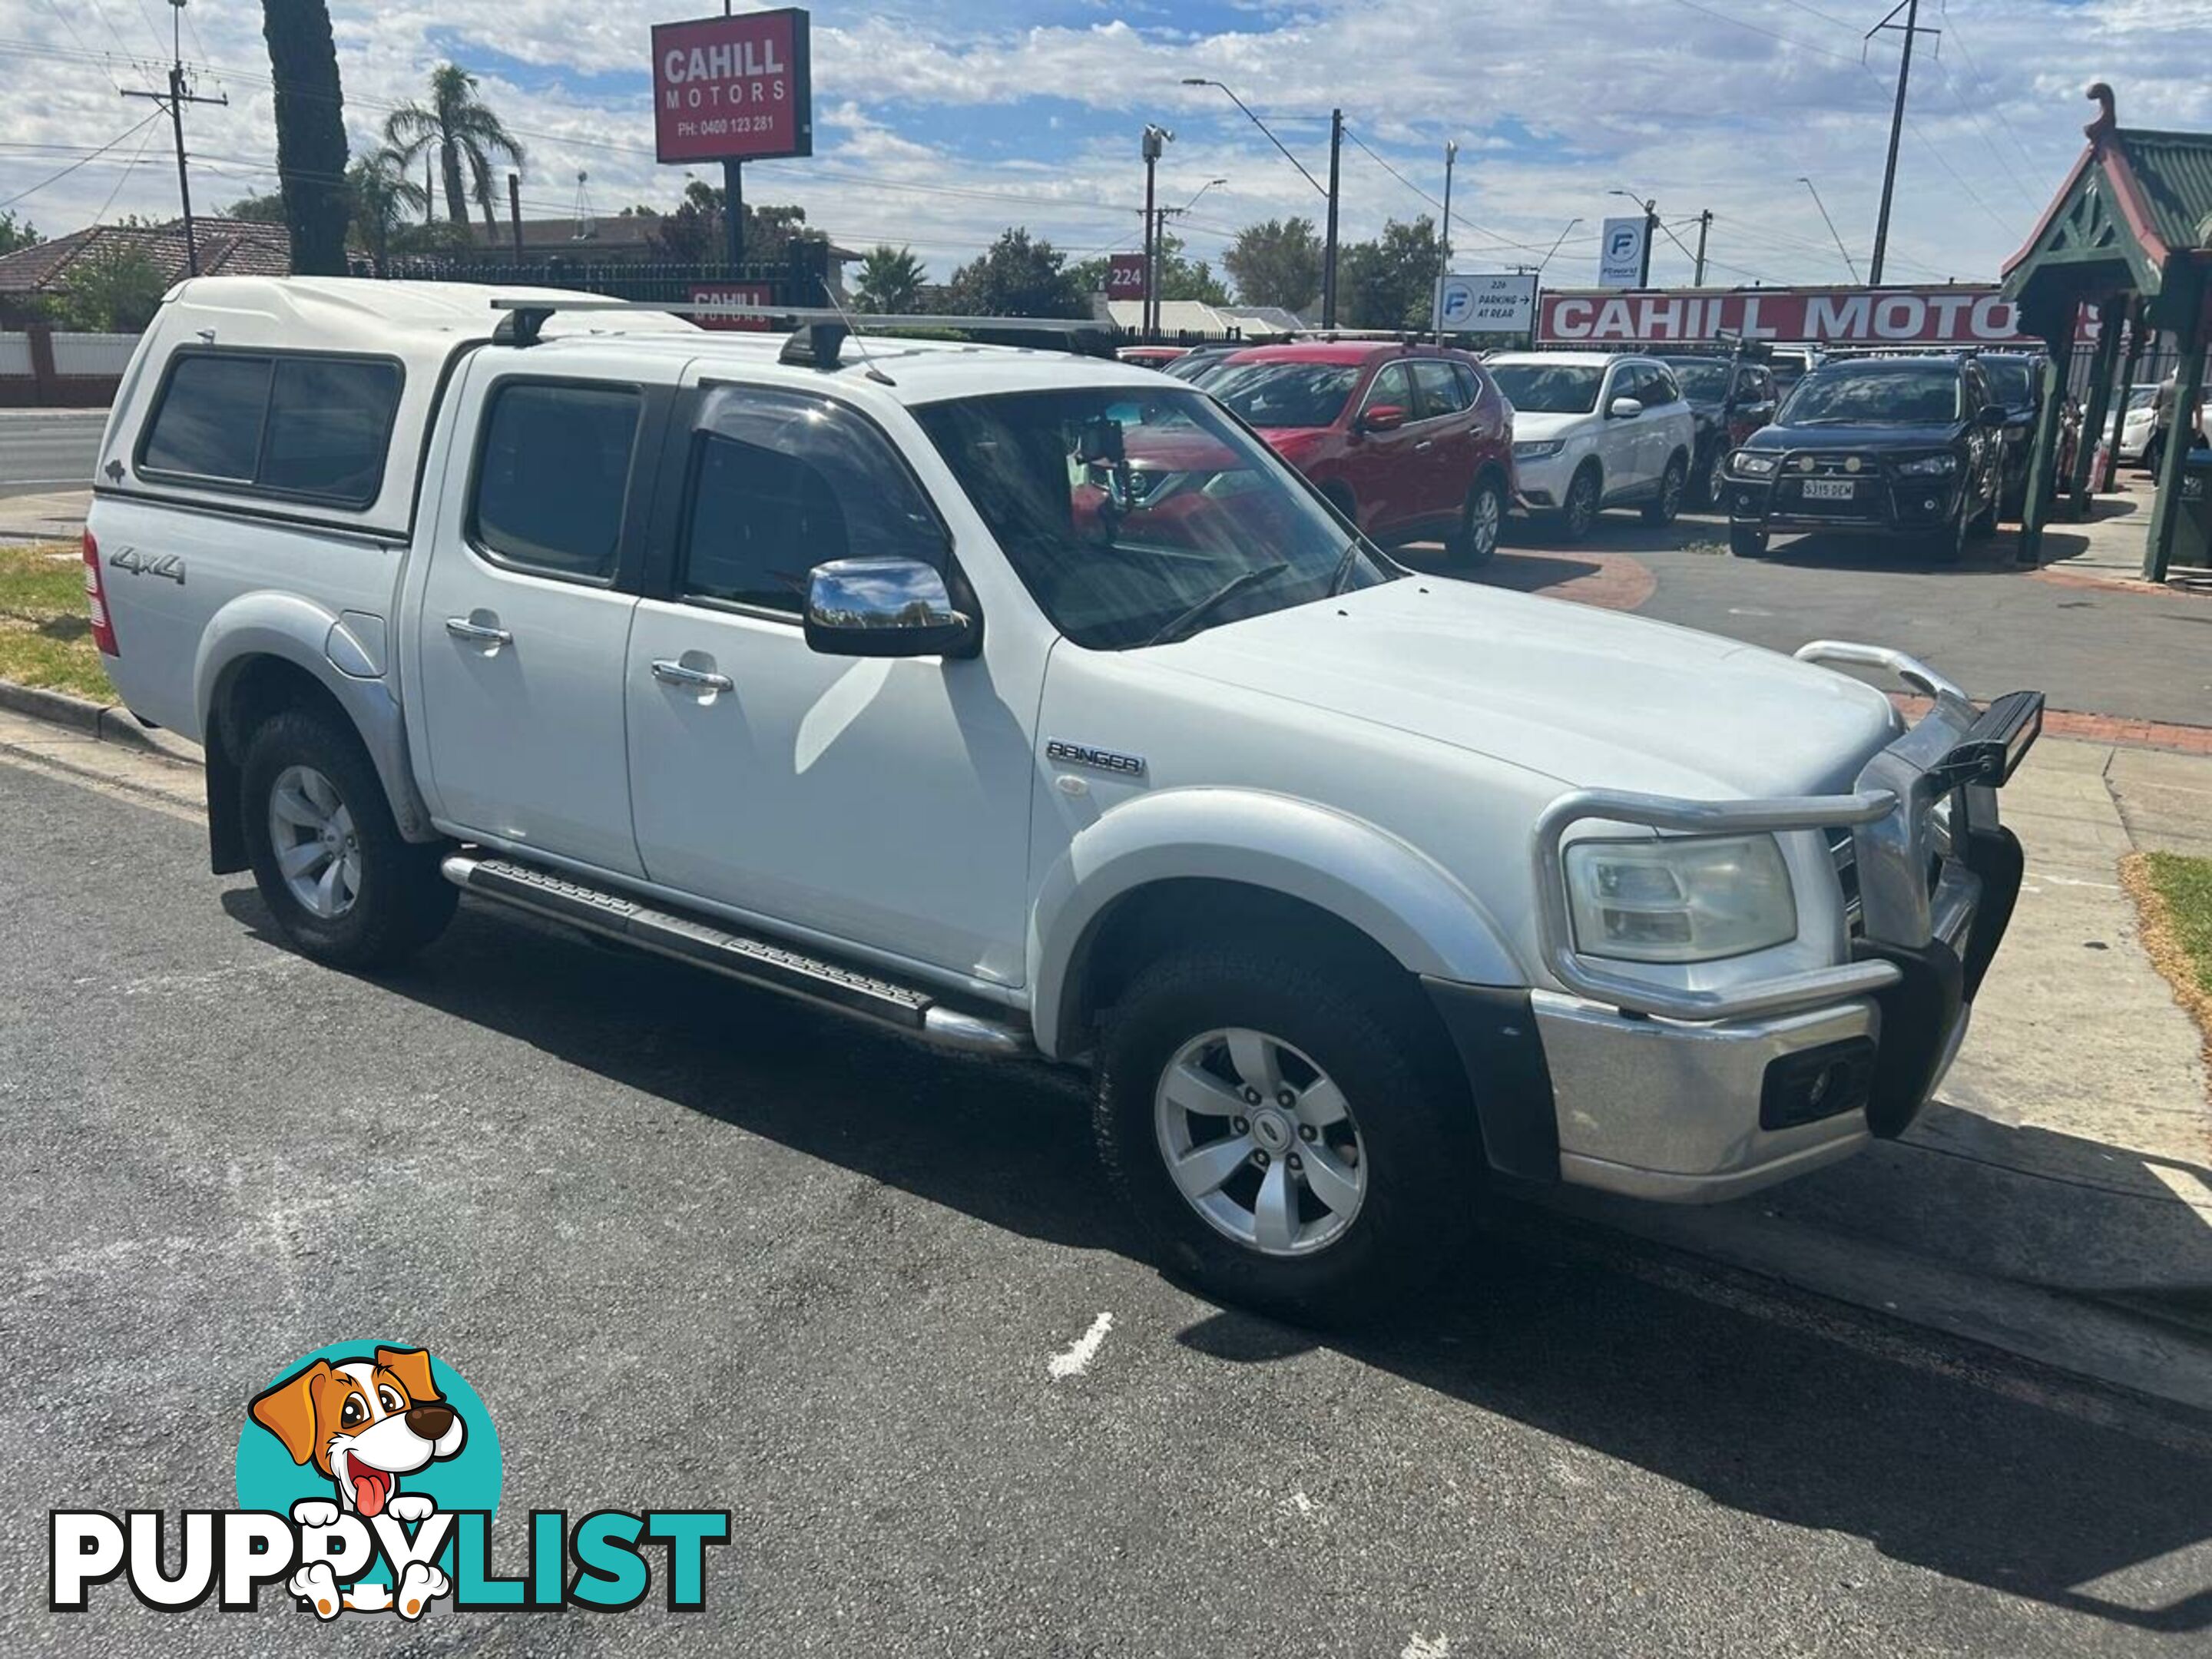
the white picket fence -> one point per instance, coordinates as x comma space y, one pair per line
75, 354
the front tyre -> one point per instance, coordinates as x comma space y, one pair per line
1290, 1139
344, 886
1746, 541
1578, 512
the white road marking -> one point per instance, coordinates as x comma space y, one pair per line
1077, 1360
2075, 881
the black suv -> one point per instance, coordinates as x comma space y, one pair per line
1903, 446
1731, 399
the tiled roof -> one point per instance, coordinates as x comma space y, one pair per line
228, 247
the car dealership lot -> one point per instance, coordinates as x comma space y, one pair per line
697, 1247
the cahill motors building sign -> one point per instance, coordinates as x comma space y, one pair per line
732, 89
1954, 314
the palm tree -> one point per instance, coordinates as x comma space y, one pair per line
383, 195
463, 134
890, 280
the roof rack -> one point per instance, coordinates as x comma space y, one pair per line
819, 332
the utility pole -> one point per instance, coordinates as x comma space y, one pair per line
1909, 29
514, 211
1705, 224
1650, 236
1443, 253
1157, 138
733, 203
175, 100
1328, 251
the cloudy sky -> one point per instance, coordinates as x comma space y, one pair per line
938, 124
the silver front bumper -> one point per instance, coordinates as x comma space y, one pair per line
1658, 1090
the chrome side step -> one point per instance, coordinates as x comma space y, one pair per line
709, 944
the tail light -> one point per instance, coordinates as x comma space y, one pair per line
95, 599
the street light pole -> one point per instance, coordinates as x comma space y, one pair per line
1831, 224
1705, 224
1156, 139
1563, 235
1651, 205
1329, 190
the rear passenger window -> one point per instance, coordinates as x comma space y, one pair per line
1441, 392
782, 482
553, 476
281, 424
209, 425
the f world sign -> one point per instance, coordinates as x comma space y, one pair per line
733, 88
1956, 314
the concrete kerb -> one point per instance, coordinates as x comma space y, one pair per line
109, 722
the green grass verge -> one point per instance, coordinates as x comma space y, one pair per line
46, 638
2183, 887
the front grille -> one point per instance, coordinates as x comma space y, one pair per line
1844, 854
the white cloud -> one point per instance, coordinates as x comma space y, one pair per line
1699, 105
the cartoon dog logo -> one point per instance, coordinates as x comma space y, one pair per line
363, 1424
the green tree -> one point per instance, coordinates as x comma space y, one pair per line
384, 198
17, 234
259, 210
1278, 263
115, 292
466, 139
1181, 276
1391, 282
311, 140
693, 233
890, 280
1017, 276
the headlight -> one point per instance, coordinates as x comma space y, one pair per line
1929, 466
1686, 899
1751, 463
1537, 449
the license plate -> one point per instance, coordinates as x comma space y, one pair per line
1828, 490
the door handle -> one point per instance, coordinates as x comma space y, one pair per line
692, 679
476, 633
1425, 443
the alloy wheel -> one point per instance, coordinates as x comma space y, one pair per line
1259, 1142
1482, 521
317, 844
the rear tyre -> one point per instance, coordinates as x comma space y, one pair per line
344, 887
1578, 512
1289, 1138
1949, 544
1746, 541
1663, 508
1475, 542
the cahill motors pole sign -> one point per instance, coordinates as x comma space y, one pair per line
1959, 313
732, 89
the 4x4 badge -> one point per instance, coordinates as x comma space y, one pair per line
130, 559
1103, 760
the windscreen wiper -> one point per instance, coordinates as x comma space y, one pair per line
1344, 567
1205, 607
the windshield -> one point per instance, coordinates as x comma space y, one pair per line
1123, 512
1275, 394
2010, 383
1892, 393
1190, 368
1548, 388
1703, 379
2142, 397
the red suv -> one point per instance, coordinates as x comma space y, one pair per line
1408, 441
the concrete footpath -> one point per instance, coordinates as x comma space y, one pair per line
2054, 1201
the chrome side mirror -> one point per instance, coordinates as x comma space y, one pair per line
884, 607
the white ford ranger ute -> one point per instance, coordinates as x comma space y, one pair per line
1026, 703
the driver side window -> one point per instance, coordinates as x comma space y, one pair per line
1392, 388
783, 481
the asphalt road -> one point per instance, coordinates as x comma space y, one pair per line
695, 1246
43, 449
1989, 625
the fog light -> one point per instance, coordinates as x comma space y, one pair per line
1817, 1083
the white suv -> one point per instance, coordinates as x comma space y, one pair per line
1028, 704
1592, 431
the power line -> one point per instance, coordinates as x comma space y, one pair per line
55, 178
1982, 80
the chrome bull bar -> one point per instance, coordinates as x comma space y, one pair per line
1910, 891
